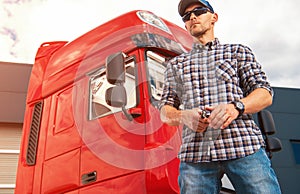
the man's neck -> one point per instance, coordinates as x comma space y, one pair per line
204, 39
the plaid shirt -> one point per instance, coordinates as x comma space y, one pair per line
209, 75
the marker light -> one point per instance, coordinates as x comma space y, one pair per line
153, 20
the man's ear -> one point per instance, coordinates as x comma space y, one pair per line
215, 18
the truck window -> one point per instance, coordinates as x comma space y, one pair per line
156, 74
98, 86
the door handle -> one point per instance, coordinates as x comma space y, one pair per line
89, 177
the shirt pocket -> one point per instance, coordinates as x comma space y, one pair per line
227, 72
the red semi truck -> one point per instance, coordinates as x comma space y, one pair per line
91, 123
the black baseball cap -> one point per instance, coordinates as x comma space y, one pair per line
183, 4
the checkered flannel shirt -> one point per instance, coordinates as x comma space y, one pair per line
209, 75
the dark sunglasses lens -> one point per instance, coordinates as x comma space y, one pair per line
197, 12
186, 17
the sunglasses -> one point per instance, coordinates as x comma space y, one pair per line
197, 11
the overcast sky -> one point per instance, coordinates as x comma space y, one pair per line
270, 28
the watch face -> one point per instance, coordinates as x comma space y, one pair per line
239, 105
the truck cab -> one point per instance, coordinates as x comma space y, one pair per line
91, 123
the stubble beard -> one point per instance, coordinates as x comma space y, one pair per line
197, 31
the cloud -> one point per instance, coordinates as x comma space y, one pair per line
38, 21
270, 29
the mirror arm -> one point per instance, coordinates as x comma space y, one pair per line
128, 115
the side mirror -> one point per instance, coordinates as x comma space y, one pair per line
115, 68
267, 126
116, 97
266, 122
273, 144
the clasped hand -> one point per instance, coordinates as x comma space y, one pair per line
221, 116
194, 120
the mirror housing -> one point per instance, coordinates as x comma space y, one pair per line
267, 126
273, 144
115, 68
266, 122
116, 96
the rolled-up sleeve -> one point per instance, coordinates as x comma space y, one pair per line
171, 91
251, 74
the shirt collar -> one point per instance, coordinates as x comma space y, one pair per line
208, 46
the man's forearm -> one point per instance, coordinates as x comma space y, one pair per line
257, 100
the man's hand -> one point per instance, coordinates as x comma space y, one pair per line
194, 120
222, 115
191, 118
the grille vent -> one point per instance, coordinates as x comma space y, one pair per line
34, 134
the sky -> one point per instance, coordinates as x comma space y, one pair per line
270, 28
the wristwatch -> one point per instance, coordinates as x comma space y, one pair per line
239, 106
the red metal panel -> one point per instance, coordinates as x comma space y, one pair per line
61, 173
62, 135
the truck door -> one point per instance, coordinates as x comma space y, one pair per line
162, 140
113, 145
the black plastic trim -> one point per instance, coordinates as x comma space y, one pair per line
34, 134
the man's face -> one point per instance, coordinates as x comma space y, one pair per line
199, 25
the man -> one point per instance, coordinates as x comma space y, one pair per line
213, 90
